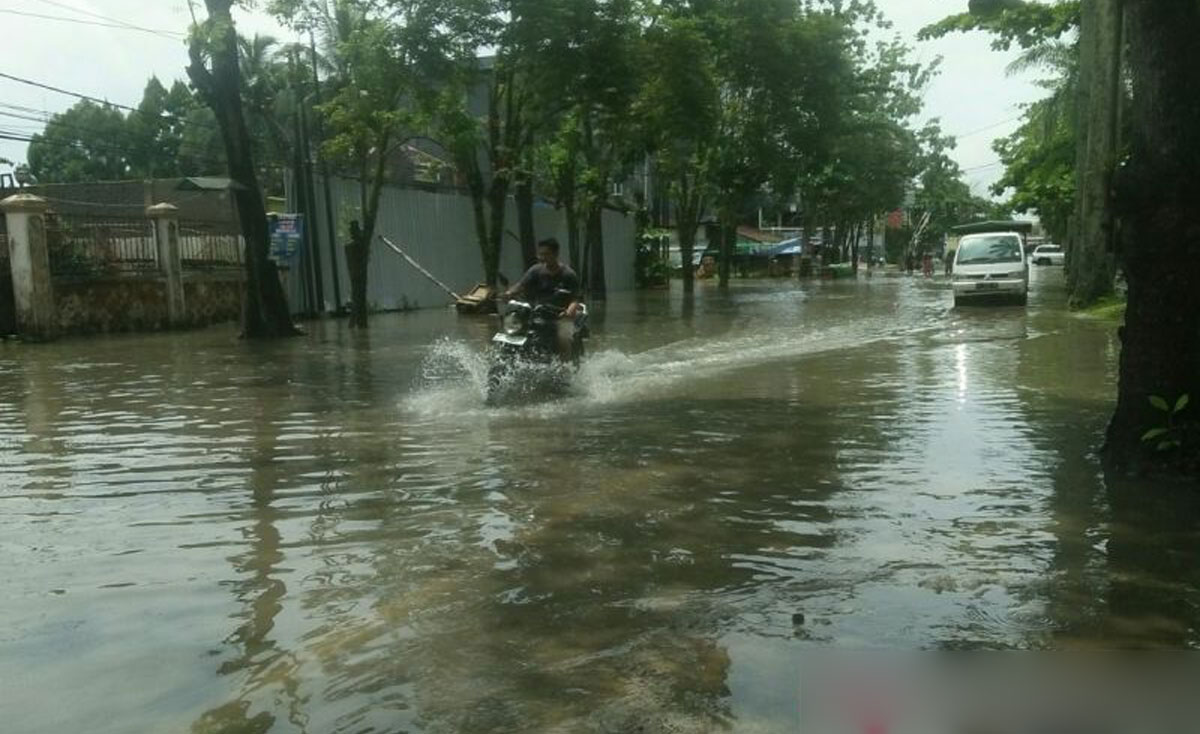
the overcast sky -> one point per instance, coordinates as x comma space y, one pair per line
973, 97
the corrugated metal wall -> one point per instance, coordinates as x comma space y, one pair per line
437, 229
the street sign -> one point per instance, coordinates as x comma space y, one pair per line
287, 235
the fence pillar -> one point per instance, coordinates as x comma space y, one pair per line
33, 292
166, 241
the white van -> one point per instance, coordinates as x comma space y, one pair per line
991, 265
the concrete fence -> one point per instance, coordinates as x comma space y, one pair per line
77, 273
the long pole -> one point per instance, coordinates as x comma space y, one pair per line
298, 185
395, 248
330, 224
310, 197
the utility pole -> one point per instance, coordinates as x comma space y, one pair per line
331, 225
302, 183
310, 203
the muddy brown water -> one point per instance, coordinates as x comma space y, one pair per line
335, 535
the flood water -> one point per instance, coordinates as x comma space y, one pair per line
335, 535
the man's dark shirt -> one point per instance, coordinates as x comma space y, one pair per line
538, 284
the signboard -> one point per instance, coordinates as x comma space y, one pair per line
287, 235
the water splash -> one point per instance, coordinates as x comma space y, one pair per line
455, 373
453, 380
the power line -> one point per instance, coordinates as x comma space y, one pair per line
200, 156
59, 90
123, 23
103, 102
81, 21
192, 149
985, 128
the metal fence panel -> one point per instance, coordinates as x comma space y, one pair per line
88, 245
437, 228
203, 246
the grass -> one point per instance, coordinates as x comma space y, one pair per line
1111, 308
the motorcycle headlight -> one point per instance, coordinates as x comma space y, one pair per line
514, 322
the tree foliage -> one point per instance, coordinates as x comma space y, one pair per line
1020, 23
170, 133
88, 142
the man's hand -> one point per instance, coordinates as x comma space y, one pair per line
572, 310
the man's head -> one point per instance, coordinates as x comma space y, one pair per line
547, 251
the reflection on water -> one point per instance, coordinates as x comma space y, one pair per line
335, 535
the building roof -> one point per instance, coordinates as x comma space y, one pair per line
209, 183
754, 234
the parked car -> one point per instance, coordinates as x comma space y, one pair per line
1048, 255
990, 266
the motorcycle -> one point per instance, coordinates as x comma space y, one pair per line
525, 356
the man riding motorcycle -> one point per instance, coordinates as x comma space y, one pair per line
544, 282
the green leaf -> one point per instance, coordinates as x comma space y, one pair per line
1182, 403
1168, 445
1160, 404
1155, 433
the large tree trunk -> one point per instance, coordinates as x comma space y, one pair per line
858, 228
728, 247
370, 193
1090, 270
1161, 245
357, 258
871, 243
687, 248
265, 313
497, 201
572, 215
687, 222
597, 287
525, 228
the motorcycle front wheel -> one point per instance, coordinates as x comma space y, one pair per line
497, 376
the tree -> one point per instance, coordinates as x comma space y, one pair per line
1039, 158
201, 149
153, 137
679, 108
942, 194
215, 72
170, 133
1160, 247
779, 73
1083, 108
371, 103
481, 111
88, 142
869, 155
585, 80
265, 77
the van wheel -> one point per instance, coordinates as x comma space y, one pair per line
1023, 299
